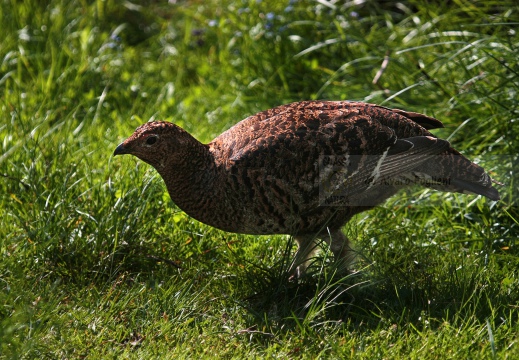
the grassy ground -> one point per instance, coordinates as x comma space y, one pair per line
96, 261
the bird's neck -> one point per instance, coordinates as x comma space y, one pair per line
193, 184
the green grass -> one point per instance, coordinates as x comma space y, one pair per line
97, 262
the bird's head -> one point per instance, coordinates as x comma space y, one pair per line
157, 143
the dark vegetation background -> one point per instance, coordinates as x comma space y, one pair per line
97, 262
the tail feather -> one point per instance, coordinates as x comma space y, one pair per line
457, 174
465, 186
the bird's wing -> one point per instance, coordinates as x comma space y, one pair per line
347, 146
327, 148
369, 171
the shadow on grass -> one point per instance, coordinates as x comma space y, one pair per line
80, 267
421, 288
421, 294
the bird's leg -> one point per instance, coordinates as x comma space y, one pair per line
341, 249
307, 247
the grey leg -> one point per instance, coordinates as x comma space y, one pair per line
340, 247
307, 247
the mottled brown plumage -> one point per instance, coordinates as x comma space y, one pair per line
304, 168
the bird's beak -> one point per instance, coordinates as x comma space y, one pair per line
121, 150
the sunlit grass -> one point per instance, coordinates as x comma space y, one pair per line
96, 261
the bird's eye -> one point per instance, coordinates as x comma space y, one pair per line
151, 140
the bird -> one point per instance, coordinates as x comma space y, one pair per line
304, 169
